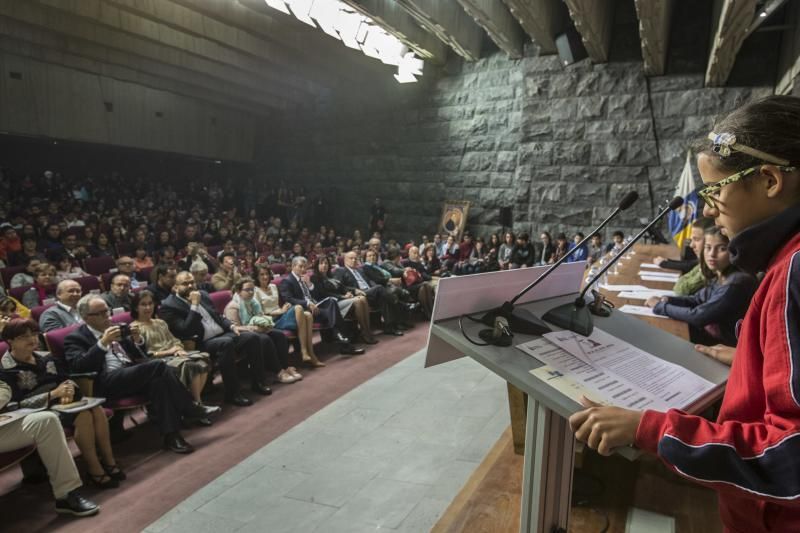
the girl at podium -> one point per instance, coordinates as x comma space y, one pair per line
713, 311
751, 454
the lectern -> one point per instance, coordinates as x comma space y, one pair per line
549, 443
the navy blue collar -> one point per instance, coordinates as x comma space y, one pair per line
754, 248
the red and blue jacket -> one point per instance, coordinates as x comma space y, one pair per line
751, 454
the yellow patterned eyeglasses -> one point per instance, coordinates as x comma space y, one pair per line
710, 193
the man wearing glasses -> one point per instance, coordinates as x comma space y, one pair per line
124, 370
119, 297
125, 266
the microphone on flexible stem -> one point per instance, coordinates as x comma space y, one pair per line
577, 316
522, 321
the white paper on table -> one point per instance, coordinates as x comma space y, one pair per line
607, 387
673, 386
651, 274
639, 310
649, 265
658, 279
567, 385
644, 295
619, 288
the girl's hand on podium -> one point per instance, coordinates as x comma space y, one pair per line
604, 428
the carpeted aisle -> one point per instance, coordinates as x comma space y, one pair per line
158, 480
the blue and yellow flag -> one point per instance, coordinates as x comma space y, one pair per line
680, 220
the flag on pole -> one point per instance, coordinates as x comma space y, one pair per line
680, 220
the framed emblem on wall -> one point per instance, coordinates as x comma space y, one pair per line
454, 218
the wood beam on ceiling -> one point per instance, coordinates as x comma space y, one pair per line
541, 19
105, 23
494, 17
593, 19
654, 22
734, 18
448, 22
271, 56
57, 54
396, 21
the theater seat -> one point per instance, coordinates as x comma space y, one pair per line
88, 284
9, 272
97, 266
37, 311
9, 459
220, 299
3, 348
278, 269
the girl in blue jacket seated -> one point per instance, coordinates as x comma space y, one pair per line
714, 310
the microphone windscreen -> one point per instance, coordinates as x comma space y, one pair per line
628, 200
676, 203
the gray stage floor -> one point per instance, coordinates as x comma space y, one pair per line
389, 455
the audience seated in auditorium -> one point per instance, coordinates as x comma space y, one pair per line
67, 269
29, 250
433, 266
163, 276
199, 272
561, 247
295, 289
523, 254
617, 240
119, 294
462, 262
504, 251
714, 310
546, 249
582, 252
65, 312
10, 242
26, 277
126, 265
43, 287
228, 273
244, 310
43, 429
692, 278
141, 259
190, 314
192, 368
47, 383
353, 279
596, 248
101, 246
327, 286
419, 282
124, 370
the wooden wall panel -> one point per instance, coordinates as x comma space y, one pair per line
64, 103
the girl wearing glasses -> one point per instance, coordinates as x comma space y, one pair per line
713, 311
750, 454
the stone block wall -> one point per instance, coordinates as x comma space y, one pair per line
560, 145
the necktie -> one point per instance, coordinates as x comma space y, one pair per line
362, 284
306, 292
119, 352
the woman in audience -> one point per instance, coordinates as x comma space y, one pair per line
286, 316
25, 278
504, 251
326, 286
44, 286
191, 368
68, 270
102, 246
752, 189
37, 381
430, 262
477, 258
246, 311
714, 310
141, 260
547, 249
561, 248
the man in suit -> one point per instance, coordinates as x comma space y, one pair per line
190, 314
124, 370
65, 312
378, 296
295, 290
119, 297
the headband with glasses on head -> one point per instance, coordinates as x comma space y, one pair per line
725, 143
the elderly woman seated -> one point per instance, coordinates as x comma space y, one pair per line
43, 288
245, 310
37, 380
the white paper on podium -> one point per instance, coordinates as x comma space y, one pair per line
649, 265
644, 295
640, 310
668, 384
578, 376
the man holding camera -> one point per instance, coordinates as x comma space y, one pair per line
116, 352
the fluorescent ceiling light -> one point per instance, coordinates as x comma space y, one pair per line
280, 5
